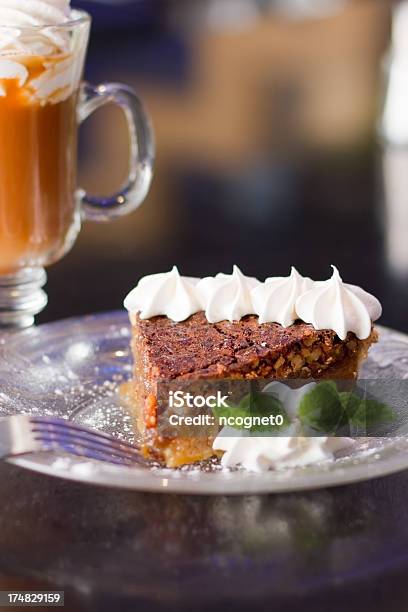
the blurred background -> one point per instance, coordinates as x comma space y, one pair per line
281, 132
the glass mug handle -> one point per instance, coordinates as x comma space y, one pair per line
141, 159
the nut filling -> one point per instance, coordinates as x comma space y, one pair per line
196, 350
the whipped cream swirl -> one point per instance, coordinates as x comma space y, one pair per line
274, 300
227, 297
166, 294
343, 308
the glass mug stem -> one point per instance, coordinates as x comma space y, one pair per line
22, 297
21, 293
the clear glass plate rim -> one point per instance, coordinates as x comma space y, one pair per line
205, 483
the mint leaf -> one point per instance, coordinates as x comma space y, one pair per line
267, 404
370, 412
322, 410
325, 409
350, 402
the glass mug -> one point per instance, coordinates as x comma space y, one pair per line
42, 103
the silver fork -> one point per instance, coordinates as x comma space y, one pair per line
23, 434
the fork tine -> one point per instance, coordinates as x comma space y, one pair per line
73, 438
89, 452
85, 438
59, 422
62, 426
84, 446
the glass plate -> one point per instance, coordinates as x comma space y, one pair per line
74, 369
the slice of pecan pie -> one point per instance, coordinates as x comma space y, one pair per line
187, 330
164, 350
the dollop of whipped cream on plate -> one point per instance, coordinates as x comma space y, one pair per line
260, 453
343, 308
227, 297
167, 293
274, 300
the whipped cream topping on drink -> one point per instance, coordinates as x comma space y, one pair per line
35, 53
25, 13
328, 304
25, 27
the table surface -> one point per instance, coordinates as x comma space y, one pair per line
108, 549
